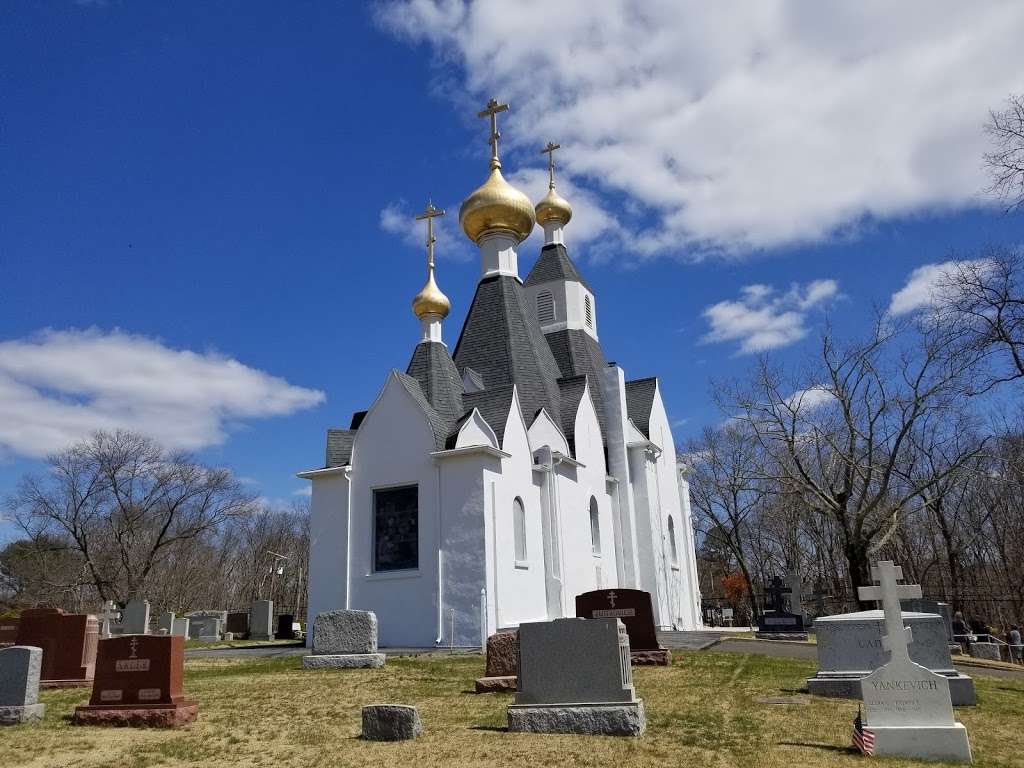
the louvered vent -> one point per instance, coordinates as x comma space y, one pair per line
545, 307
589, 310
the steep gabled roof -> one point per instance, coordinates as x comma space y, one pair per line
502, 342
572, 390
579, 354
494, 405
339, 447
438, 424
639, 401
554, 264
439, 379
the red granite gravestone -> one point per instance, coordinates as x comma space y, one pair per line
138, 682
502, 665
8, 632
68, 641
633, 608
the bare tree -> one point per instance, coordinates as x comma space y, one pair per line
123, 504
1005, 163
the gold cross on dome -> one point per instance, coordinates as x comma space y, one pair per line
549, 150
493, 108
429, 213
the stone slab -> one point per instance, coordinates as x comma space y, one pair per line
902, 694
261, 620
961, 688
17, 715
8, 631
391, 722
343, 632
625, 719
852, 642
793, 637
988, 651
502, 655
661, 657
781, 622
20, 666
630, 606
949, 743
165, 716
343, 661
68, 641
495, 684
135, 618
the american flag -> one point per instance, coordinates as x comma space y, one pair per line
863, 739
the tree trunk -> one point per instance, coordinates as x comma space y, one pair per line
860, 571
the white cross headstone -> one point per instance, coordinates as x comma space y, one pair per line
109, 614
889, 593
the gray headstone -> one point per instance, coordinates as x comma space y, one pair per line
20, 666
261, 620
922, 605
205, 626
135, 618
344, 632
180, 627
166, 622
391, 722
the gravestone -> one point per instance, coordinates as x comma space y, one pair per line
850, 647
285, 630
344, 640
109, 618
795, 602
238, 624
261, 618
138, 682
907, 707
19, 685
932, 606
135, 617
8, 632
179, 628
778, 623
633, 608
502, 663
391, 722
166, 622
205, 626
989, 651
68, 641
575, 676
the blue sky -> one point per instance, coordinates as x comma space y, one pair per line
205, 209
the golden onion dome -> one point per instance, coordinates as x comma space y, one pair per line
553, 209
430, 300
496, 206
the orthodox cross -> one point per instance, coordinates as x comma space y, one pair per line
549, 150
135, 647
109, 614
778, 588
493, 108
429, 213
796, 593
886, 573
612, 597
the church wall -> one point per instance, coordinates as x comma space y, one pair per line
328, 545
393, 448
642, 479
614, 388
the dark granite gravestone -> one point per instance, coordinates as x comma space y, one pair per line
68, 641
238, 624
633, 608
138, 682
284, 627
8, 632
778, 623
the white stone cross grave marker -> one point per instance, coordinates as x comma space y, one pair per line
889, 592
109, 614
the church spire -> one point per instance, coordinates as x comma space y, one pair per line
554, 211
430, 305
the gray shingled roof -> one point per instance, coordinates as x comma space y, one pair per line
438, 424
639, 401
502, 341
554, 264
579, 354
572, 390
494, 405
339, 447
439, 379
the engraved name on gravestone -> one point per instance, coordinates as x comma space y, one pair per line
633, 608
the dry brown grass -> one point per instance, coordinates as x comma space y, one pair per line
701, 712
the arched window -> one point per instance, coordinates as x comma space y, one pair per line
589, 310
545, 307
519, 529
672, 540
595, 527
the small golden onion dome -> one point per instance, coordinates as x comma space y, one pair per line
553, 209
430, 301
496, 206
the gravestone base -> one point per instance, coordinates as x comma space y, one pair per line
661, 657
988, 651
495, 684
947, 743
343, 661
156, 716
29, 713
797, 637
84, 683
847, 686
625, 719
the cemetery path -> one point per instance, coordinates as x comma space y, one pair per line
809, 651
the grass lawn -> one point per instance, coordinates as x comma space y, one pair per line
703, 711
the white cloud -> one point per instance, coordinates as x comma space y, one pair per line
763, 318
57, 387
733, 126
923, 287
450, 244
306, 490
806, 401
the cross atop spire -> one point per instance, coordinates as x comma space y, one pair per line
429, 213
492, 110
549, 150
898, 636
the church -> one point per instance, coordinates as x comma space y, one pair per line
490, 483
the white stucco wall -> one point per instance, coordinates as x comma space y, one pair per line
569, 304
328, 544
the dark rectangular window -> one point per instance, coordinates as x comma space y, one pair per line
396, 529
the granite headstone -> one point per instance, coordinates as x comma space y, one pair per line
633, 607
68, 641
344, 639
261, 620
19, 685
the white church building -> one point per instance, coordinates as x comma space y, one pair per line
491, 483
